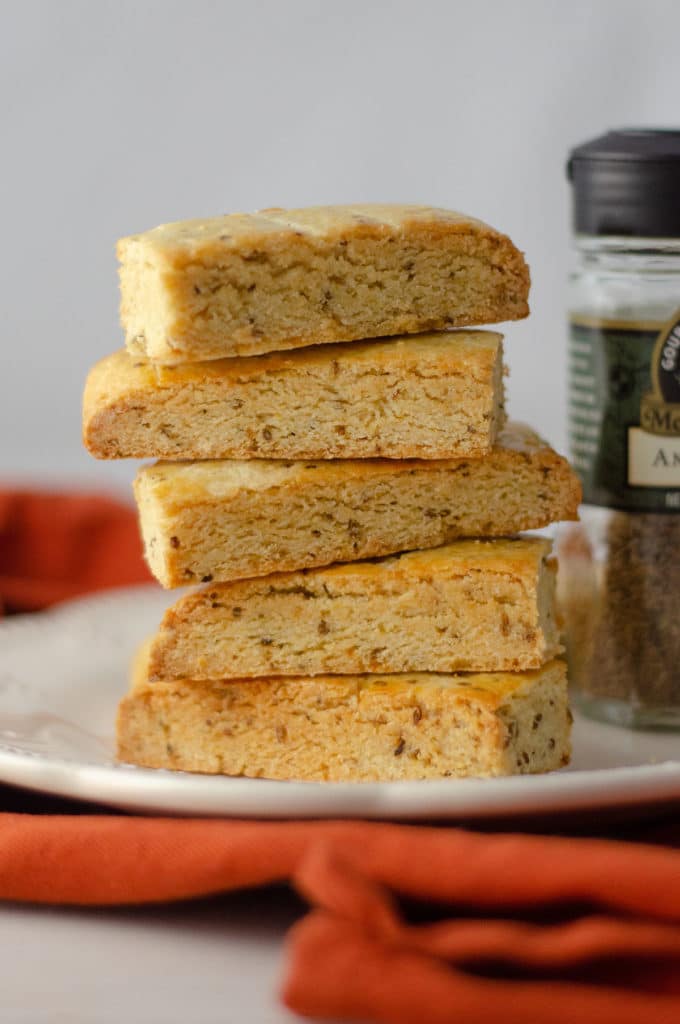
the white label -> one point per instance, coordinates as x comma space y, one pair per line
653, 460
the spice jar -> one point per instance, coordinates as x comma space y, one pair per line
620, 567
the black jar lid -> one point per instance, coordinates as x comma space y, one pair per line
627, 183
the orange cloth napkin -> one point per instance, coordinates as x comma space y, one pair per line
533, 929
56, 546
408, 924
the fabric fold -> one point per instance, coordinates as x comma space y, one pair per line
338, 972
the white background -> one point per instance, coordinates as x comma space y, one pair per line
118, 116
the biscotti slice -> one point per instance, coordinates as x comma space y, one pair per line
484, 606
420, 396
243, 284
223, 520
351, 728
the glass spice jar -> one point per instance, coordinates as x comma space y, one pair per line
620, 566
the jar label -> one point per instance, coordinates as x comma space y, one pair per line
624, 412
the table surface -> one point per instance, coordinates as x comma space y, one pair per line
218, 960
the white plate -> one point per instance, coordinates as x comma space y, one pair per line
63, 672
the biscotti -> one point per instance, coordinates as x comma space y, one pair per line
224, 520
428, 396
471, 606
280, 279
356, 728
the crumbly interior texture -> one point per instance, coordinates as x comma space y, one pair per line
281, 279
421, 396
351, 728
471, 606
223, 520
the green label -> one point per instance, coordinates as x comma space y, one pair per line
624, 413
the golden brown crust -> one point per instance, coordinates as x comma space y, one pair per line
358, 728
470, 606
247, 284
232, 520
421, 396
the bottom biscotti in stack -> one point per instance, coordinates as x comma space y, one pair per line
354, 671
354, 728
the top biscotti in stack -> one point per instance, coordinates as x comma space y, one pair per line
298, 375
245, 284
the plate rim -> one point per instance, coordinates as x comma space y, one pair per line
118, 785
130, 787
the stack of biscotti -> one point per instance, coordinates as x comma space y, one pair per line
339, 478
